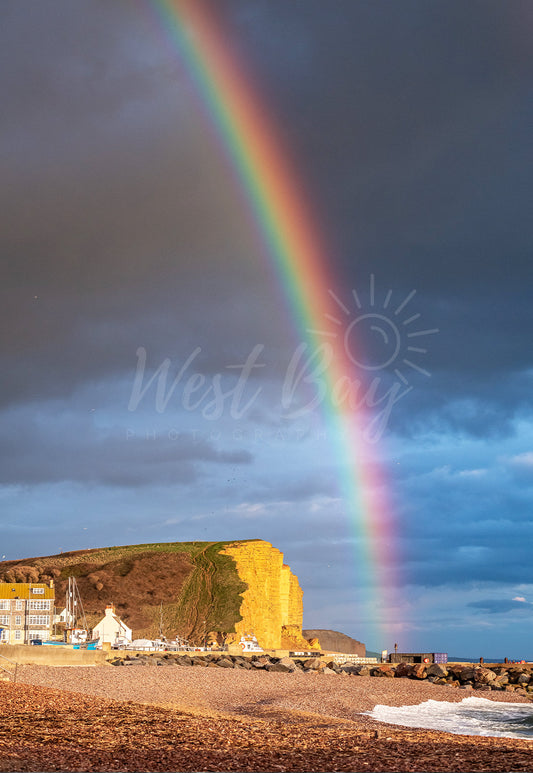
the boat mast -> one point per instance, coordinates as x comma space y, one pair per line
74, 605
69, 605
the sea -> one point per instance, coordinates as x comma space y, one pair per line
472, 716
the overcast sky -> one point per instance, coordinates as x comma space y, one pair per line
125, 240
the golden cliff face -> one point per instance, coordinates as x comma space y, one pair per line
272, 606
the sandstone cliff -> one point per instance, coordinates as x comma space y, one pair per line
194, 589
272, 606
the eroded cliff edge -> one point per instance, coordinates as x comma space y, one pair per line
185, 588
272, 604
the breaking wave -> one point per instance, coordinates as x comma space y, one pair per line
472, 716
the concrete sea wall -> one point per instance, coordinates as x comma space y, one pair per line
51, 655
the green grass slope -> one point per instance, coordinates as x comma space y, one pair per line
191, 586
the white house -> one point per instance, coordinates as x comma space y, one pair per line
61, 617
111, 629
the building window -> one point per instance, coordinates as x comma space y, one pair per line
5, 604
4, 635
37, 590
39, 619
18, 620
39, 605
38, 635
18, 635
4, 619
18, 605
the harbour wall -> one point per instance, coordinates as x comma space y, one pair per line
51, 655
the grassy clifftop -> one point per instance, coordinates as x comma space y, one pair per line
196, 586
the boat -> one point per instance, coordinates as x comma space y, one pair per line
76, 634
93, 644
249, 643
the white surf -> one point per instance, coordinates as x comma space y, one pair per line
472, 716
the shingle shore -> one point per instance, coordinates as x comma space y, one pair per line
515, 678
235, 692
130, 719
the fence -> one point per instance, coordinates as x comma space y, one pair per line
12, 672
352, 659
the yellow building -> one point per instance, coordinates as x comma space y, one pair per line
26, 611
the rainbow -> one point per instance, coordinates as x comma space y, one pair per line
287, 229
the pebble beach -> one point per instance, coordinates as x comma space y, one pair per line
157, 719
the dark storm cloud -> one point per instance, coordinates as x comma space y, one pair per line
426, 103
500, 606
415, 117
295, 487
463, 567
37, 450
466, 521
478, 412
115, 230
409, 127
479, 546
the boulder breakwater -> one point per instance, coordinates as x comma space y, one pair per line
512, 678
504, 678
